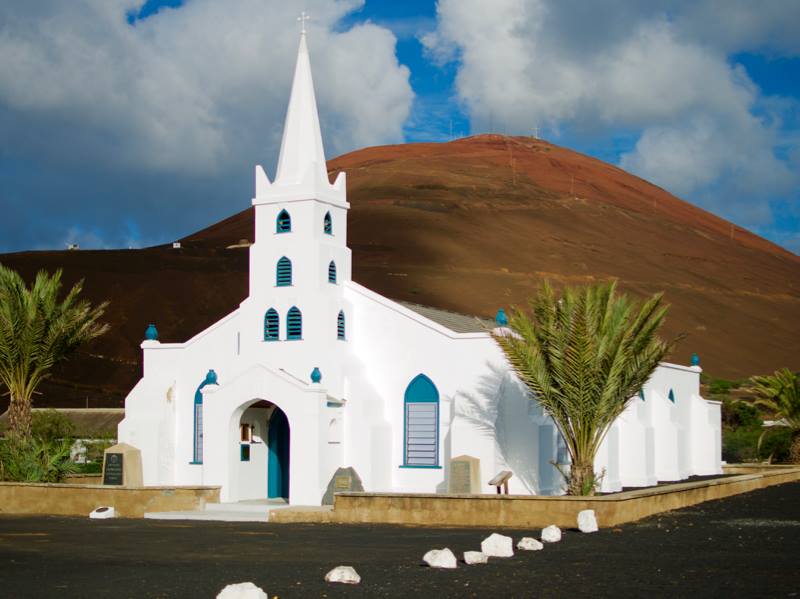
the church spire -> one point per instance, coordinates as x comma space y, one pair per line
301, 148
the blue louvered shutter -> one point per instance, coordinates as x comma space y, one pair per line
328, 224
294, 323
271, 325
332, 272
340, 325
283, 224
284, 272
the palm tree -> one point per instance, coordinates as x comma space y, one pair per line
36, 331
583, 355
780, 394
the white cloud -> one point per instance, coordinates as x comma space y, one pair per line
198, 91
661, 70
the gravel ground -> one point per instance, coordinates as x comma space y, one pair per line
746, 546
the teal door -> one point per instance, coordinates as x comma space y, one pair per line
278, 458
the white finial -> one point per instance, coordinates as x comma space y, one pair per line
303, 18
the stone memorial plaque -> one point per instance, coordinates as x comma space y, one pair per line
112, 469
465, 475
344, 479
342, 482
122, 465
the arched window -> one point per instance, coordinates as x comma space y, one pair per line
671, 396
641, 394
328, 224
284, 222
421, 435
284, 272
332, 272
340, 325
197, 432
271, 325
294, 323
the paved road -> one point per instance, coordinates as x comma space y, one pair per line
745, 546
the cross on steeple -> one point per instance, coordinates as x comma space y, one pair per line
302, 19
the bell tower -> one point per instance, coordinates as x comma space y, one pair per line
300, 258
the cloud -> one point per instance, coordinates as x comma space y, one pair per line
154, 122
659, 70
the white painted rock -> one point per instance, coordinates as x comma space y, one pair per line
440, 558
529, 544
242, 590
103, 512
475, 557
496, 545
587, 522
344, 574
551, 534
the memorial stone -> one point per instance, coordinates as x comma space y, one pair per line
465, 475
344, 479
122, 465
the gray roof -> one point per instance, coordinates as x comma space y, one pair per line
458, 323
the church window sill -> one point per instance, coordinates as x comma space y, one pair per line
420, 466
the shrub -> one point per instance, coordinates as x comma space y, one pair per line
740, 445
35, 460
51, 425
736, 414
777, 442
722, 386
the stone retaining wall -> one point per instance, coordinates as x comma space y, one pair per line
526, 511
80, 499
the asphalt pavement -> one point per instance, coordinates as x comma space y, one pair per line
743, 546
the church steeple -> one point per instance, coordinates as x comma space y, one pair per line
302, 170
301, 147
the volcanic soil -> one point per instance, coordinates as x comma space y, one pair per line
470, 226
742, 546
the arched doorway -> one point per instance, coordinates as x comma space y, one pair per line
278, 456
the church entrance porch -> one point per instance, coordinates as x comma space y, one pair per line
262, 471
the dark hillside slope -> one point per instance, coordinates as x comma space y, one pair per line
469, 226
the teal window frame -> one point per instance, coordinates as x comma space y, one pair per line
294, 324
283, 223
340, 326
421, 393
283, 272
332, 272
272, 325
671, 396
327, 224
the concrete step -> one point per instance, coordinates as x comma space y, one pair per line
247, 507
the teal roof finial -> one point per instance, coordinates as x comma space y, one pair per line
151, 334
316, 375
695, 360
501, 318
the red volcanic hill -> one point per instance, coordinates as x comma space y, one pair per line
469, 226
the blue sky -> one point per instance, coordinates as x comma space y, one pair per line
130, 123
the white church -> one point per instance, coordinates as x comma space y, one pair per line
314, 372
